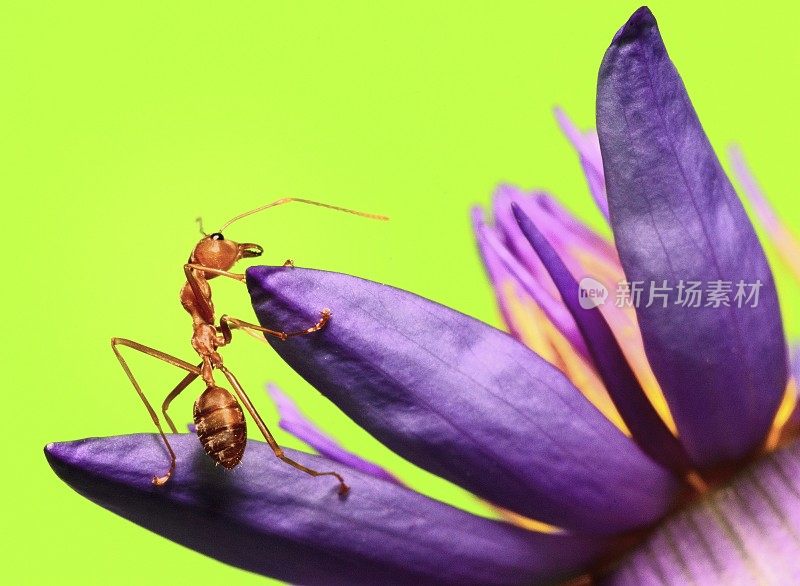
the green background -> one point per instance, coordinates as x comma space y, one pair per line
121, 124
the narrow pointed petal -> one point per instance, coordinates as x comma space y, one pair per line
787, 245
508, 293
586, 253
490, 241
513, 238
269, 518
300, 426
462, 400
676, 217
647, 428
588, 150
747, 532
570, 233
528, 323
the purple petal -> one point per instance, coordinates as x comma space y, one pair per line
588, 149
498, 276
269, 518
676, 217
647, 428
568, 235
567, 232
747, 532
293, 421
493, 248
509, 231
462, 400
586, 253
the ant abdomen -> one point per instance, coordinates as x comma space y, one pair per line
220, 426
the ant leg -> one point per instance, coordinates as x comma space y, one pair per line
157, 480
343, 488
230, 275
205, 307
195, 283
187, 380
227, 323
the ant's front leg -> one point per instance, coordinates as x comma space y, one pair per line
221, 273
228, 323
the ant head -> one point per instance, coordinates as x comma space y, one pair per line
214, 251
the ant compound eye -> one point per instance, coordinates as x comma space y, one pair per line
216, 236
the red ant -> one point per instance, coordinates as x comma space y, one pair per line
218, 417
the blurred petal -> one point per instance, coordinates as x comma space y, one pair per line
269, 518
293, 421
747, 532
462, 400
787, 245
528, 323
510, 235
676, 217
489, 240
558, 224
588, 149
646, 426
511, 300
585, 253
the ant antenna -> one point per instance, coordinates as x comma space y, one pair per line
199, 221
306, 201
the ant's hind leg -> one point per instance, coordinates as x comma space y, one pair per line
227, 323
343, 488
185, 382
157, 480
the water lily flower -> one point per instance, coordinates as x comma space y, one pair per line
654, 439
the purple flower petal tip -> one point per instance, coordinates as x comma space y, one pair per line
639, 20
462, 400
269, 518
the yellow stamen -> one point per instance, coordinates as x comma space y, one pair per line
785, 410
525, 522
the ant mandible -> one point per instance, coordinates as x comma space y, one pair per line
219, 420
